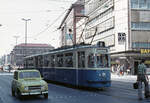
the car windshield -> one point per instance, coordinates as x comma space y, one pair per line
29, 75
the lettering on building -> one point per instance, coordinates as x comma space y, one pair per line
145, 51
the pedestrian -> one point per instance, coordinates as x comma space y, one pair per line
118, 70
113, 68
122, 69
129, 70
142, 77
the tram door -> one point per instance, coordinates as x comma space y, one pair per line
136, 63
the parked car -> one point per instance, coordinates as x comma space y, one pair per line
28, 82
6, 68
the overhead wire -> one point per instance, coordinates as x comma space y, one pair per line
47, 26
58, 19
62, 0
51, 23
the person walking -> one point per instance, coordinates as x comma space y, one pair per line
142, 77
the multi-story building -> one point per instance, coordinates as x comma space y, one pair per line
124, 25
22, 50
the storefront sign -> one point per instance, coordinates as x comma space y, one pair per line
145, 51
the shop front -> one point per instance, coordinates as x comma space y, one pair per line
130, 60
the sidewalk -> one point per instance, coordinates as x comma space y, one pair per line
125, 78
6, 73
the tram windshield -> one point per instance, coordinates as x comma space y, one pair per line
102, 60
97, 60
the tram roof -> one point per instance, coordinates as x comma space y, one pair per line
67, 48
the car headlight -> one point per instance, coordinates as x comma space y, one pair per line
42, 87
26, 88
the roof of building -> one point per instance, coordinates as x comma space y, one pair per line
78, 3
35, 45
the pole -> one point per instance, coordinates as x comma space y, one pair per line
25, 48
74, 27
16, 37
26, 20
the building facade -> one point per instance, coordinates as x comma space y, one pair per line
124, 25
68, 24
22, 50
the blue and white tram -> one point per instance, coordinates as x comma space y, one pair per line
84, 65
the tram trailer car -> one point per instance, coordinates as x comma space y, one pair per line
84, 65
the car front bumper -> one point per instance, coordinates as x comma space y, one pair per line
34, 93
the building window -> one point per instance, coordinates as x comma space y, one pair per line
141, 45
101, 27
140, 4
148, 4
140, 25
82, 11
121, 37
134, 3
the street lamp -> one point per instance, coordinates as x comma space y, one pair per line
26, 20
16, 37
25, 52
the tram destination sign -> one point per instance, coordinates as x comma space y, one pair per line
102, 50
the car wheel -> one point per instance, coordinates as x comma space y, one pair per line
12, 92
46, 96
19, 94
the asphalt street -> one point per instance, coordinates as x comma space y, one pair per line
121, 91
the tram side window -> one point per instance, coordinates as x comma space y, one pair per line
81, 59
46, 61
40, 61
36, 62
102, 60
60, 60
91, 60
69, 60
53, 61
30, 62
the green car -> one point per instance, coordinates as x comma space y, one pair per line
28, 82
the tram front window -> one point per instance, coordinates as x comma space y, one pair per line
102, 60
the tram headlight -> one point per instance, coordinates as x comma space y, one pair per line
103, 74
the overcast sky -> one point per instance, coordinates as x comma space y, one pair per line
43, 15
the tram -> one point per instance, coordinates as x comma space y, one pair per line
81, 65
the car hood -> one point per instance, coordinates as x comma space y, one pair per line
32, 82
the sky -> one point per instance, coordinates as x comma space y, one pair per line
45, 15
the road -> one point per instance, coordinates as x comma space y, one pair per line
120, 92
